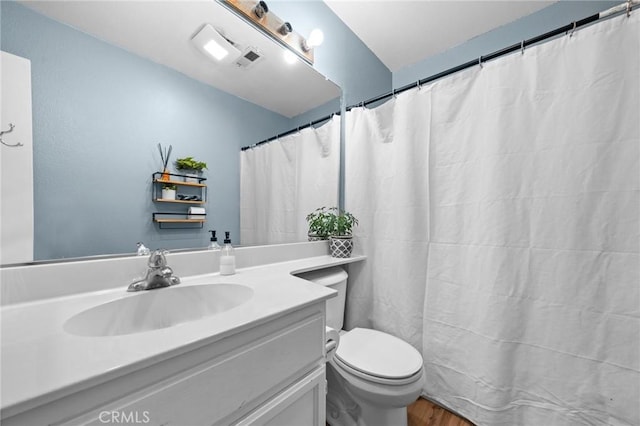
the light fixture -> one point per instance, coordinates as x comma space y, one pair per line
261, 9
257, 14
285, 28
290, 57
214, 45
315, 39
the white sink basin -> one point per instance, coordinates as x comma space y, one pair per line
156, 309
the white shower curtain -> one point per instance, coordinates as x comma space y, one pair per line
386, 188
284, 180
531, 311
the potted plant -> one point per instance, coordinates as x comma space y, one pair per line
191, 168
169, 192
319, 221
340, 236
337, 225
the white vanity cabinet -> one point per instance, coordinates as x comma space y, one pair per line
267, 374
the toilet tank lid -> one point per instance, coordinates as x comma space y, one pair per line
378, 354
325, 277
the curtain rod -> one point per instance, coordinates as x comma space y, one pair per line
627, 7
297, 129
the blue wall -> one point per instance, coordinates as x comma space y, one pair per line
99, 112
547, 19
98, 115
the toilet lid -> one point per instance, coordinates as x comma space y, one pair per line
378, 354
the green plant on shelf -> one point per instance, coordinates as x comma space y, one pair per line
189, 163
341, 223
330, 222
319, 221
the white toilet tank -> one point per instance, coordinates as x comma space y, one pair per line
335, 278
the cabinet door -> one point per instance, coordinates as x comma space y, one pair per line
226, 387
16, 169
303, 403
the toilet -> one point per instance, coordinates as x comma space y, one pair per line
373, 375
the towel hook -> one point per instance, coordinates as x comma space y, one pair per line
3, 132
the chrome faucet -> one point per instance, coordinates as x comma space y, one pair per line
158, 275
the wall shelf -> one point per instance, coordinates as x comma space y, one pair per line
164, 218
179, 183
157, 177
192, 189
161, 200
179, 220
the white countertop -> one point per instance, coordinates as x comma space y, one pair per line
40, 361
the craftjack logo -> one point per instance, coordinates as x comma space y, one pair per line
124, 417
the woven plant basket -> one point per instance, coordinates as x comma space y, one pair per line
341, 246
315, 237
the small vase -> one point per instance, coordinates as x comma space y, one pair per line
341, 246
168, 194
165, 175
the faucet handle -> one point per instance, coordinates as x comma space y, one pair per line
158, 258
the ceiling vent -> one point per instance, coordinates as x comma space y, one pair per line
249, 57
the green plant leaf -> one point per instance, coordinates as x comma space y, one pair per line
189, 163
325, 222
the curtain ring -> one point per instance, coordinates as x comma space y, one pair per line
573, 30
419, 85
628, 8
522, 47
393, 93
480, 61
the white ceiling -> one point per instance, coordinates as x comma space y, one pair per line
401, 33
161, 31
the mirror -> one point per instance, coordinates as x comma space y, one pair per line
111, 80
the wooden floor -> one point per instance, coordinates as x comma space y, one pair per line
426, 413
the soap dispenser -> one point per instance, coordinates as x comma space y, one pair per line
227, 257
213, 245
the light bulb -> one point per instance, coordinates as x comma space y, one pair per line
315, 38
289, 57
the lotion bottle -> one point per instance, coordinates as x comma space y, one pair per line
227, 257
213, 245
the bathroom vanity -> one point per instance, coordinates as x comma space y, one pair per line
260, 361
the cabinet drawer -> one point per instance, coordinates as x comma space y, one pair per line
221, 390
303, 403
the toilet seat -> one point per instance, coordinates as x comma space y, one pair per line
378, 357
